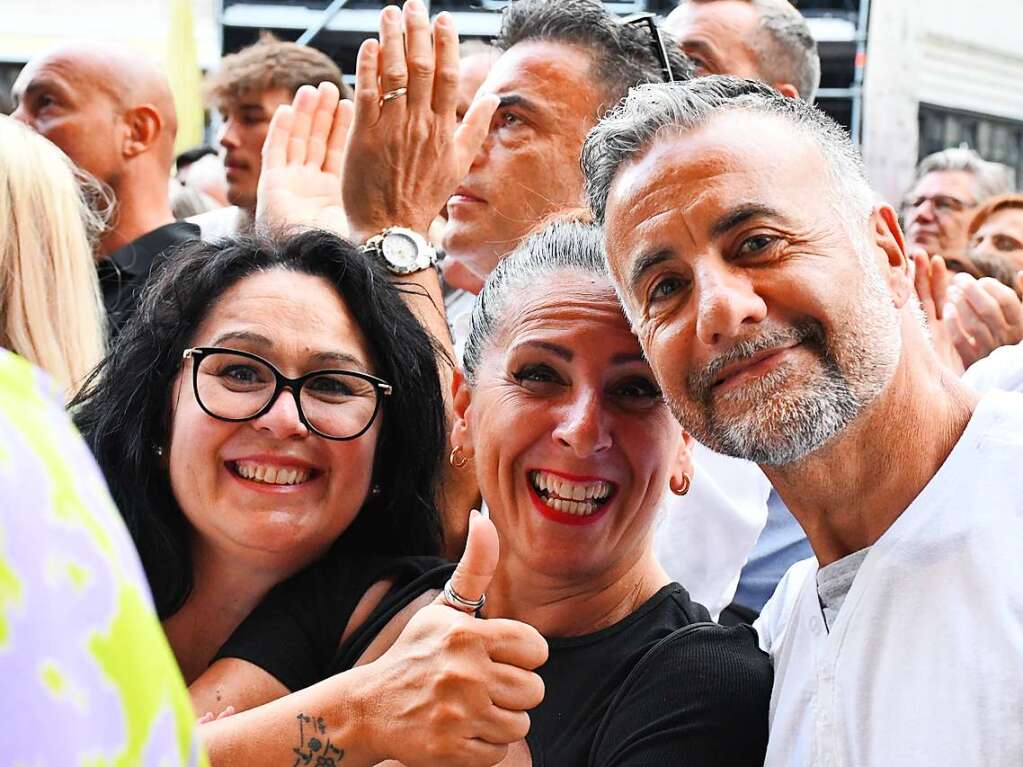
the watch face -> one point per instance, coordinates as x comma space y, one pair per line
400, 250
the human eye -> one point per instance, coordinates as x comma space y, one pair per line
506, 118
665, 288
756, 244
637, 389
538, 377
242, 375
336, 387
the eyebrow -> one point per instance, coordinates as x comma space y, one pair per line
644, 264
515, 100
740, 215
566, 354
325, 358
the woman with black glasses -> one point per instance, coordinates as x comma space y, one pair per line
272, 404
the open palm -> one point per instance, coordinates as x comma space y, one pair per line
303, 158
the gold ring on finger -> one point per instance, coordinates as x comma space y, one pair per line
397, 93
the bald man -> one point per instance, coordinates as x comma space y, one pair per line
113, 115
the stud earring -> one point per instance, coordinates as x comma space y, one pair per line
376, 490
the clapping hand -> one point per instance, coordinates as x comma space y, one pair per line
303, 157
931, 280
982, 315
407, 153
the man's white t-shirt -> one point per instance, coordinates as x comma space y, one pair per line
924, 662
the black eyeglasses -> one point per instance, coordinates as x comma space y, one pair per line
232, 385
647, 20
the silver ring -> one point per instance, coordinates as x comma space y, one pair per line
457, 601
397, 93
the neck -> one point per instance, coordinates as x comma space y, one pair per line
141, 208
559, 607
225, 590
848, 493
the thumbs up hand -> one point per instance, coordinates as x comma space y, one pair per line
454, 689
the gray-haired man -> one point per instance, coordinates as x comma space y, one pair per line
776, 304
766, 40
948, 186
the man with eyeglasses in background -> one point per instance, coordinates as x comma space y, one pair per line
948, 186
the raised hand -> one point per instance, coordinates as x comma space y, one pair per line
931, 279
303, 158
982, 315
455, 689
406, 152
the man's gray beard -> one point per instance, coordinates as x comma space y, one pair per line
778, 425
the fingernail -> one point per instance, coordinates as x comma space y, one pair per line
444, 19
416, 7
391, 13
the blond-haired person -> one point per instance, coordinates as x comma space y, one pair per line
51, 311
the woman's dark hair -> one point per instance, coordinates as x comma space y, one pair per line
123, 411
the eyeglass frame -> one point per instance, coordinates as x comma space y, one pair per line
658, 42
915, 203
282, 382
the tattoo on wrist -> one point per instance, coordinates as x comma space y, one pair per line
312, 749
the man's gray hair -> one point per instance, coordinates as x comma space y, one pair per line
560, 246
651, 111
786, 50
623, 54
991, 178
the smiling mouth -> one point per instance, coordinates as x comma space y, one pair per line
268, 474
580, 499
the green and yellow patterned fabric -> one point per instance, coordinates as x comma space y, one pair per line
86, 675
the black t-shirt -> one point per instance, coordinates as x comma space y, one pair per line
123, 274
294, 632
664, 686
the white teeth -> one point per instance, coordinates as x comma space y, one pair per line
271, 475
562, 490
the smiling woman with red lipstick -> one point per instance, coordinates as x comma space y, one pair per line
573, 446
274, 403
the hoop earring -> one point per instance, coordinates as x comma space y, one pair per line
686, 482
457, 459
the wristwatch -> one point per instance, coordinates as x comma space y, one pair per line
403, 251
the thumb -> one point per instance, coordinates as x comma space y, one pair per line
476, 568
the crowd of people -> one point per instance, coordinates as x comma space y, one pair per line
570, 400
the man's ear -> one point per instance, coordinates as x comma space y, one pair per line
461, 399
145, 125
786, 89
888, 237
682, 464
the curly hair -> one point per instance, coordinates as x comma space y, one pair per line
124, 410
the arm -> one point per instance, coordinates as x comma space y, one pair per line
405, 158
452, 690
698, 698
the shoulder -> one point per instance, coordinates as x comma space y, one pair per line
770, 625
700, 695
1002, 369
723, 658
